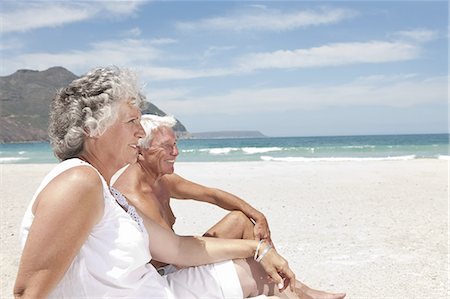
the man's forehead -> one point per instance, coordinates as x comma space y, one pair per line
164, 134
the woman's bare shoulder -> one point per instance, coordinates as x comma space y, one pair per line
81, 183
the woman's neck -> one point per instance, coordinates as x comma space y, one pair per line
105, 169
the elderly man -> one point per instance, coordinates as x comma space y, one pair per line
149, 184
243, 222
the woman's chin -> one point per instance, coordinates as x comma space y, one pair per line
131, 160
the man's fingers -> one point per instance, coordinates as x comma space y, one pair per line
291, 276
277, 279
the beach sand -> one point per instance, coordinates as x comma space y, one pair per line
373, 229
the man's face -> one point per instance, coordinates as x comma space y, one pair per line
164, 138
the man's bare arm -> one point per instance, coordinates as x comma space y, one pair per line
180, 188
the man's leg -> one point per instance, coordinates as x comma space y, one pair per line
235, 225
254, 282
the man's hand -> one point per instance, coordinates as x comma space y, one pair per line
261, 230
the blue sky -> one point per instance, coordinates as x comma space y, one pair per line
291, 68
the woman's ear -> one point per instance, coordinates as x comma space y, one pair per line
88, 134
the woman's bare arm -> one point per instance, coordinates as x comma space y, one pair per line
166, 246
65, 212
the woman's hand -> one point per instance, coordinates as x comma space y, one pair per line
277, 268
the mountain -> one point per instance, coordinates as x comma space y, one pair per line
179, 128
227, 134
25, 98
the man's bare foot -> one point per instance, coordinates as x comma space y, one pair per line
306, 292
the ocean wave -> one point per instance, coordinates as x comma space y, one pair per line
21, 152
444, 157
5, 160
219, 150
359, 146
334, 159
188, 151
260, 150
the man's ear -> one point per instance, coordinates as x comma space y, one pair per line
140, 155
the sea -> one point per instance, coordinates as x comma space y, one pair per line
275, 149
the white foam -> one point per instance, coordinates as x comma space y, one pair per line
22, 152
11, 159
334, 159
359, 146
188, 151
444, 157
259, 150
219, 150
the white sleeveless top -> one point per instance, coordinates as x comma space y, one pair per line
113, 262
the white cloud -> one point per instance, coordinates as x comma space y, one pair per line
118, 7
163, 41
418, 35
133, 32
172, 93
143, 54
33, 15
214, 50
270, 20
11, 44
136, 53
395, 91
44, 14
154, 73
331, 55
127, 52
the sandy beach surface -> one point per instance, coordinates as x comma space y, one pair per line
373, 229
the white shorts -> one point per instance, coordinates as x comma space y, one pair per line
219, 280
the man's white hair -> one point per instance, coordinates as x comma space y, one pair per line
150, 123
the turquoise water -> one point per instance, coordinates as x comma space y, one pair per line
334, 148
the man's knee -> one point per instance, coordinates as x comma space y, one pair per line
239, 218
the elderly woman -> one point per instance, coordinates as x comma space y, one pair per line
79, 242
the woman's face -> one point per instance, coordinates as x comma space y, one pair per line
120, 140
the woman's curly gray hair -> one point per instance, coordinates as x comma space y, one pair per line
88, 106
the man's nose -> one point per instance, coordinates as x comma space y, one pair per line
175, 151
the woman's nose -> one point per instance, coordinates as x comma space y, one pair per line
140, 132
